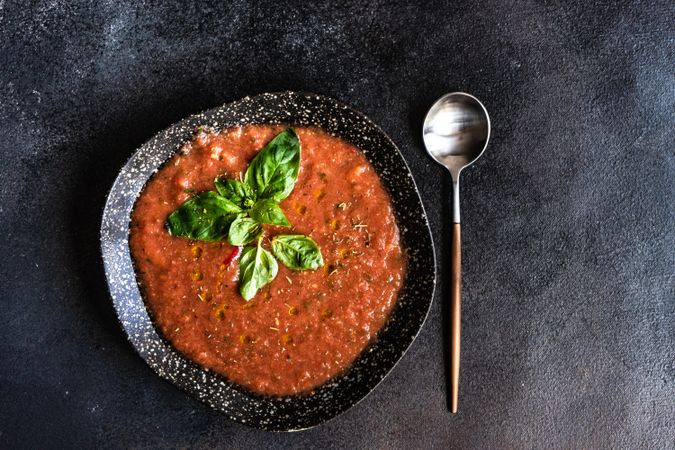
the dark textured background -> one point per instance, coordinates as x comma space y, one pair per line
569, 223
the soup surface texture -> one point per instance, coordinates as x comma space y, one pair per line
305, 327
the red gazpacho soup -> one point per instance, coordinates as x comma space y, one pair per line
303, 327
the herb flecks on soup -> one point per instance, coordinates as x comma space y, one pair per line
303, 327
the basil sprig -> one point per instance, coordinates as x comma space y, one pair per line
237, 210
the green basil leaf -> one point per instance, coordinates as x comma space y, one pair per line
267, 211
257, 268
237, 192
273, 172
297, 252
244, 230
204, 217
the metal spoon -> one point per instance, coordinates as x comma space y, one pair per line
456, 132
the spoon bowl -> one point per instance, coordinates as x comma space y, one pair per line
456, 132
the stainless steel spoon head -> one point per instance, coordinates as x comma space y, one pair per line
456, 131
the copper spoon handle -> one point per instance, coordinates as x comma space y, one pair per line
455, 314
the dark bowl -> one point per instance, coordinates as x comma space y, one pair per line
374, 363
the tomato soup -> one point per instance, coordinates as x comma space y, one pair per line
303, 328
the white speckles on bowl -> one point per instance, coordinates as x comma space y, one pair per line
336, 396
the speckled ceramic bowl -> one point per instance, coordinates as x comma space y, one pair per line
336, 396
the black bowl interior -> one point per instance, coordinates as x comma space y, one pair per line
336, 396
